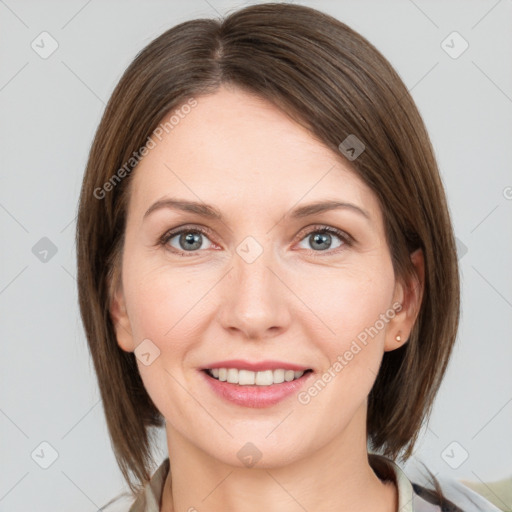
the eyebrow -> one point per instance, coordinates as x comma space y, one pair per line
210, 212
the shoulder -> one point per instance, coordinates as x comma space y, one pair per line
148, 499
414, 497
121, 503
461, 497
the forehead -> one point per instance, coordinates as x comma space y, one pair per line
238, 149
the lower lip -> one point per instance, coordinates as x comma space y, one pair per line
256, 396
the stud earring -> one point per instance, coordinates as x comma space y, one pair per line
398, 338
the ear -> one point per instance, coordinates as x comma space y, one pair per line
409, 295
119, 316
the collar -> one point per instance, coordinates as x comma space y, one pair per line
408, 499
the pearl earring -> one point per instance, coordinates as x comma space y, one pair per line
398, 338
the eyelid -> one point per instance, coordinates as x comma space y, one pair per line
171, 233
315, 228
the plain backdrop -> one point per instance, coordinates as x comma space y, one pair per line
50, 105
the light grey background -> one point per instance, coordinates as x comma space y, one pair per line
49, 110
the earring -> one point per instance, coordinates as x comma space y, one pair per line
398, 338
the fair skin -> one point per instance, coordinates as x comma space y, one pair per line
296, 302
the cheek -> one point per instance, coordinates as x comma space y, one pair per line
165, 304
352, 307
164, 307
348, 301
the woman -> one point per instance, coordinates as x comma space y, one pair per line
267, 268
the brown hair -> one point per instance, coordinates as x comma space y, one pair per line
331, 80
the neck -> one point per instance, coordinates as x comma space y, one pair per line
336, 477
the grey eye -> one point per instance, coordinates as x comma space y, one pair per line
321, 240
188, 240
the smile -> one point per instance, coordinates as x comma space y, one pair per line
263, 388
250, 378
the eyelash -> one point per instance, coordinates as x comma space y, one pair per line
347, 240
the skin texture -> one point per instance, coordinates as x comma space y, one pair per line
296, 302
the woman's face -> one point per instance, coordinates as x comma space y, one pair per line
263, 283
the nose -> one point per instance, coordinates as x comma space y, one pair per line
255, 299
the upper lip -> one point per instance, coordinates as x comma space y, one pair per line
256, 366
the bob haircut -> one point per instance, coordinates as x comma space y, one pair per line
331, 80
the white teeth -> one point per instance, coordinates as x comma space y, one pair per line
245, 377
278, 376
249, 378
232, 376
264, 378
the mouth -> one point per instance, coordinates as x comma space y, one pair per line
255, 389
262, 378
256, 384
